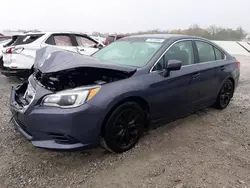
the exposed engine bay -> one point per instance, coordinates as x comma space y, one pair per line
81, 76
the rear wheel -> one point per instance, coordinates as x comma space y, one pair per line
225, 95
123, 128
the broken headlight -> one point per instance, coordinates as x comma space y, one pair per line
70, 98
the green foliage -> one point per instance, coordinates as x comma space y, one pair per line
213, 32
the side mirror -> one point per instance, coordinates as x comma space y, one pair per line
171, 65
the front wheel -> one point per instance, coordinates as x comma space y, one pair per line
123, 128
225, 95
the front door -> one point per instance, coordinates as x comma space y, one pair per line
178, 92
86, 46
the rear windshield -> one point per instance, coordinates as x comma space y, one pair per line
26, 39
13, 39
119, 37
110, 39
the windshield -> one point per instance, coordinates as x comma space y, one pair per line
129, 53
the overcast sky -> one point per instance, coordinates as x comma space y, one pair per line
122, 16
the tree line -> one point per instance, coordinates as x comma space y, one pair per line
213, 32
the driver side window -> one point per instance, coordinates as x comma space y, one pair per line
182, 51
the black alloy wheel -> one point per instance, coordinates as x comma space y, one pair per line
124, 127
225, 95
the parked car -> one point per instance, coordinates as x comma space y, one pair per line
74, 101
113, 38
6, 43
3, 41
19, 57
99, 39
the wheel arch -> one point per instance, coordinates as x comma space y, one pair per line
139, 100
232, 80
227, 78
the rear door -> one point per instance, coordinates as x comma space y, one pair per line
208, 77
63, 40
86, 45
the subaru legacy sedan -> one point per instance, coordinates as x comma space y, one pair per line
109, 99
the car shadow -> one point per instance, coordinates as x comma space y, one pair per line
13, 80
101, 153
176, 121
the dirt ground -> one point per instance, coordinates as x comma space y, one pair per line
208, 149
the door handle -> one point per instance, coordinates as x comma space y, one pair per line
80, 49
222, 68
195, 75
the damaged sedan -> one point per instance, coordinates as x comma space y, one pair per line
109, 99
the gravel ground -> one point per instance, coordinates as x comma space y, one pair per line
208, 149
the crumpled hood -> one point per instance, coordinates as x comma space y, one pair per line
51, 59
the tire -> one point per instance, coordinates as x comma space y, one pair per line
1, 62
225, 95
123, 128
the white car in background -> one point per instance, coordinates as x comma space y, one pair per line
3, 41
19, 57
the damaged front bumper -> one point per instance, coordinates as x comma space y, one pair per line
56, 128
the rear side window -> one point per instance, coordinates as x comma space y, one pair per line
83, 41
206, 51
27, 39
50, 40
218, 54
59, 40
62, 40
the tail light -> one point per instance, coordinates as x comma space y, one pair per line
13, 67
238, 64
9, 51
14, 50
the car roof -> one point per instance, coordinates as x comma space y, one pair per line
115, 35
54, 32
164, 36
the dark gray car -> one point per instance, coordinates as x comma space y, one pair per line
73, 101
